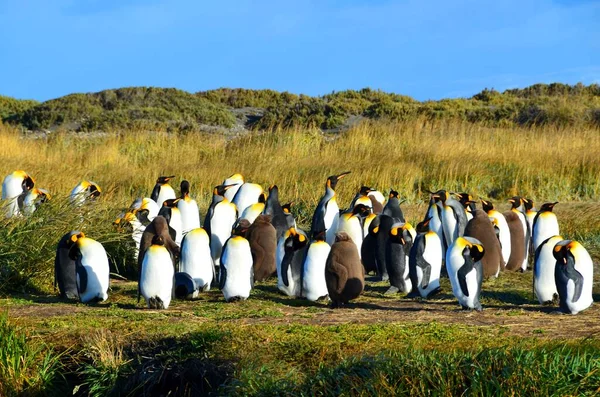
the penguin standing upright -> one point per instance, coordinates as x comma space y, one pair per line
156, 280
463, 262
517, 241
65, 269
84, 191
219, 221
530, 213
91, 264
392, 208
253, 211
263, 245
190, 215
196, 261
31, 200
454, 217
545, 224
236, 276
381, 231
482, 229
425, 262
544, 285
162, 190
279, 219
171, 213
344, 274
397, 249
327, 213
504, 235
377, 201
434, 212
13, 186
314, 285
369, 245
351, 223
248, 194
468, 203
235, 181
518, 208
574, 274
289, 272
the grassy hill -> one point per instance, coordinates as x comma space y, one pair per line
170, 109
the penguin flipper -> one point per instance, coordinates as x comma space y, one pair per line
82, 277
155, 193
222, 276
462, 278
318, 221
426, 276
285, 265
578, 281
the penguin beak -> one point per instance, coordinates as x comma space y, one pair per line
343, 174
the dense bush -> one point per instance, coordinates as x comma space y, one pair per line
10, 106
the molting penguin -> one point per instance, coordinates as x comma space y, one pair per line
235, 181
545, 224
156, 280
197, 262
518, 208
351, 223
544, 285
425, 262
289, 272
517, 241
65, 272
236, 276
397, 249
91, 264
162, 190
344, 274
454, 217
263, 244
463, 262
327, 213
574, 276
504, 235
13, 186
85, 190
30, 201
219, 221
190, 215
377, 201
392, 208
171, 213
314, 285
482, 229
248, 194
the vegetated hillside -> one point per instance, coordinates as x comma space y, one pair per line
170, 109
10, 106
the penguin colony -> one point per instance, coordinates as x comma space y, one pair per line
248, 236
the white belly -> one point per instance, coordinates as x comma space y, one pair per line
238, 263
95, 261
190, 215
523, 220
544, 284
504, 234
352, 226
449, 223
332, 217
313, 278
246, 196
545, 227
166, 193
196, 259
221, 224
433, 256
157, 275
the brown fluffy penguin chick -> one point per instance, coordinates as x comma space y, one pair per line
344, 273
517, 241
481, 228
263, 244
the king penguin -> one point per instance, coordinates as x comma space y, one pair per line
517, 241
397, 250
468, 203
145, 209
65, 271
544, 285
463, 262
314, 285
253, 211
219, 221
392, 208
482, 229
545, 224
425, 262
196, 261
574, 274
30, 201
13, 186
263, 245
362, 197
162, 190
454, 217
91, 264
171, 213
344, 274
504, 235
190, 215
156, 280
248, 194
84, 191
289, 272
327, 213
518, 208
377, 201
235, 181
380, 228
434, 213
352, 223
236, 276
279, 219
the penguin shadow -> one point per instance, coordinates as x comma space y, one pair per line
272, 294
374, 306
508, 297
46, 299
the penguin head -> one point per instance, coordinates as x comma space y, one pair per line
528, 203
374, 226
171, 203
94, 190
262, 198
294, 240
75, 236
234, 179
361, 210
397, 234
241, 229
515, 202
28, 181
548, 207
423, 227
220, 190
464, 198
365, 190
42, 195
394, 194
562, 252
320, 236
477, 252
163, 180
158, 240
185, 188
287, 208
342, 236
334, 179
487, 205
441, 194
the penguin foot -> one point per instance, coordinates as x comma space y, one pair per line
392, 290
434, 292
234, 299
413, 294
384, 278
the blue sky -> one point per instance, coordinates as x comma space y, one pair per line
425, 49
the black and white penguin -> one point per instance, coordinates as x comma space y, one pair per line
574, 274
425, 262
397, 249
196, 260
530, 213
314, 285
463, 263
279, 218
453, 216
13, 186
545, 224
30, 201
380, 229
518, 207
362, 197
145, 209
248, 194
253, 211
289, 271
84, 191
352, 223
162, 190
173, 216
219, 221
236, 275
504, 230
327, 213
156, 280
392, 208
544, 265
65, 272
190, 215
289, 217
91, 265
129, 221
235, 181
468, 203
434, 213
